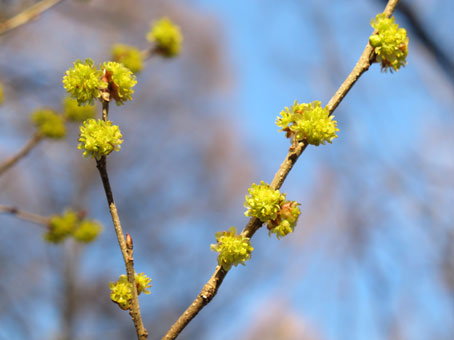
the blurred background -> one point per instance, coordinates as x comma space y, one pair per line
372, 256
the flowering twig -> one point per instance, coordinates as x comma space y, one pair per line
23, 215
126, 246
29, 14
210, 289
22, 153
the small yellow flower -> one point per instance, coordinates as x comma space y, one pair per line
167, 37
61, 226
49, 123
121, 291
120, 81
99, 138
308, 122
263, 202
286, 219
74, 112
83, 81
87, 231
390, 43
233, 249
129, 56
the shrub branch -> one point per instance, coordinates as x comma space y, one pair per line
210, 289
126, 247
24, 215
22, 153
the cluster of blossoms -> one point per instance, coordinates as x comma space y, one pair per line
233, 248
390, 43
129, 56
271, 207
167, 37
49, 123
121, 291
99, 138
74, 112
72, 224
308, 122
86, 82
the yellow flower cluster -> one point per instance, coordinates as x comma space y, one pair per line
74, 112
271, 207
167, 37
49, 123
233, 248
129, 56
72, 224
121, 291
390, 43
308, 122
99, 138
86, 82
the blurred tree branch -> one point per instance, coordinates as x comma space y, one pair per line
25, 16
22, 153
24, 215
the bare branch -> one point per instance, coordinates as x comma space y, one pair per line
22, 153
26, 216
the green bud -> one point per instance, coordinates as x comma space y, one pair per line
49, 123
308, 122
99, 138
74, 112
233, 249
129, 56
167, 37
390, 43
1, 93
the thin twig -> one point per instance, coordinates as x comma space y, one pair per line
29, 14
148, 53
26, 216
126, 247
210, 289
105, 110
22, 153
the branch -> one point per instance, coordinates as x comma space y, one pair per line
210, 289
125, 245
22, 153
29, 14
23, 215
